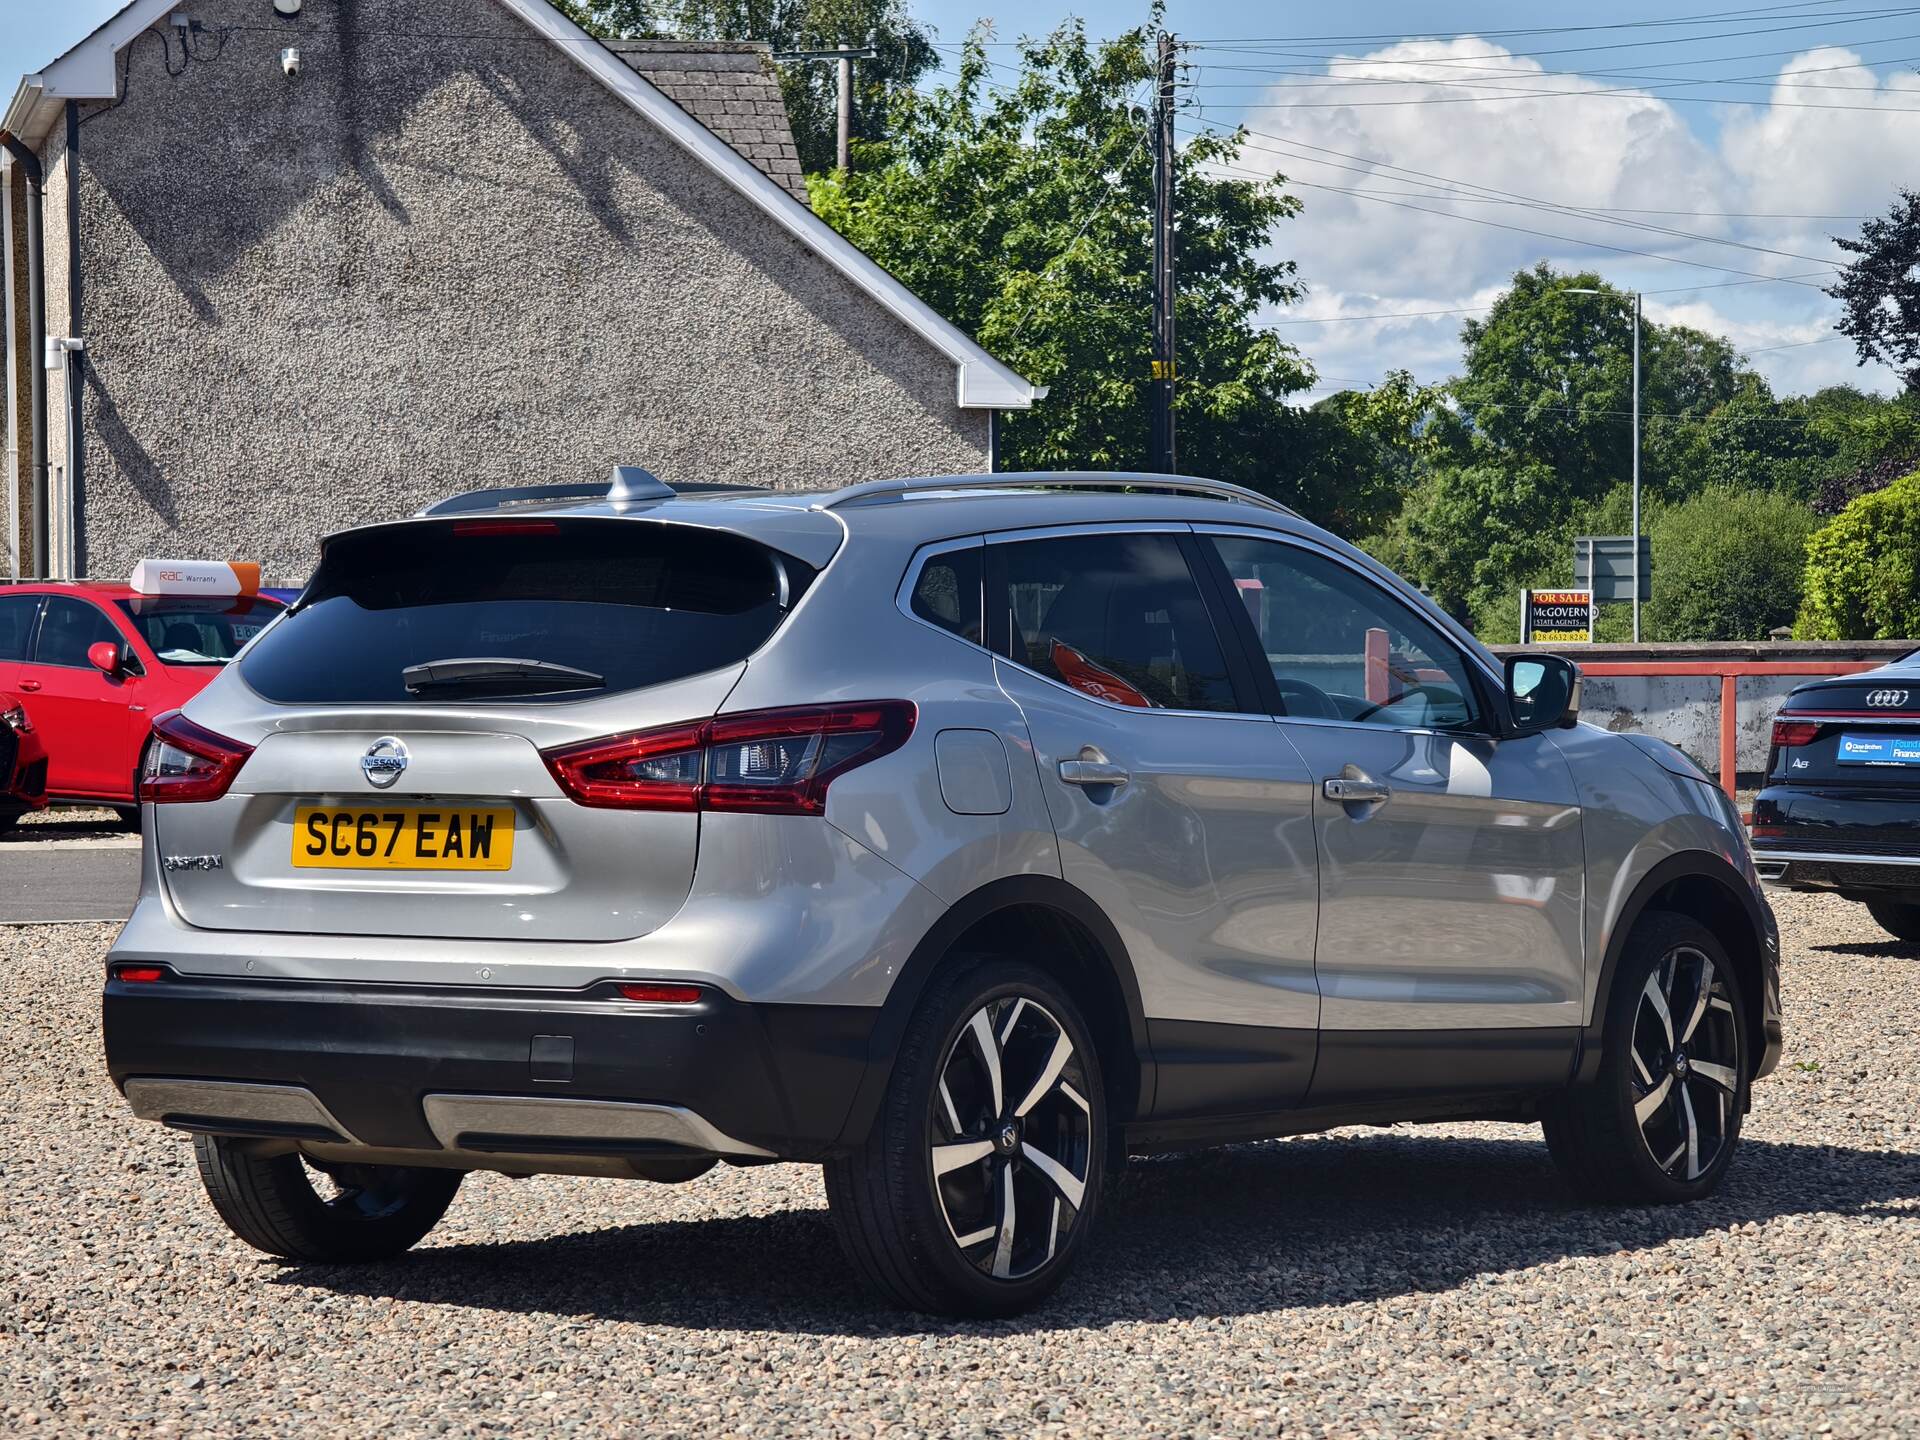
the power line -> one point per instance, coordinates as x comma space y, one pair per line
1865, 17
1529, 202
1477, 309
1331, 80
1521, 229
1683, 20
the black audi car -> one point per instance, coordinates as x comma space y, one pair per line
1841, 811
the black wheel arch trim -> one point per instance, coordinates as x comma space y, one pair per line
1688, 864
1009, 893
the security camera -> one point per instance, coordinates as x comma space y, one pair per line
290, 60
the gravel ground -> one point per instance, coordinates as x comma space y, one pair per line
67, 822
1413, 1281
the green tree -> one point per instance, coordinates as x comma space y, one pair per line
1881, 289
1863, 569
1729, 565
905, 52
1539, 432
1022, 212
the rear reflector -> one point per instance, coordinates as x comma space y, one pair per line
650, 994
1794, 732
138, 974
769, 762
186, 761
1765, 831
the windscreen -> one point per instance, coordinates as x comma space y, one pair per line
188, 631
570, 609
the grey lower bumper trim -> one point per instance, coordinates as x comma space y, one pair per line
547, 1121
232, 1105
1762, 857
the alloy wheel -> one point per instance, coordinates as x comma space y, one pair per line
1685, 1053
1013, 1130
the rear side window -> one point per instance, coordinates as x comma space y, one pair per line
947, 593
70, 629
16, 623
561, 610
198, 632
1118, 617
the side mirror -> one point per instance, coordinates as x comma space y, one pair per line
106, 657
1543, 691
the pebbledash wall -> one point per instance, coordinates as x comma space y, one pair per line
441, 256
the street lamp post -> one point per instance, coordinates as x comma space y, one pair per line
1581, 290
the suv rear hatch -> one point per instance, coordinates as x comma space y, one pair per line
384, 770
1839, 747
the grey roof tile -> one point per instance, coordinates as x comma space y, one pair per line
731, 87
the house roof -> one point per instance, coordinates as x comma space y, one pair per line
89, 71
730, 87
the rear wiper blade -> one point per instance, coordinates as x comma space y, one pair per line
495, 672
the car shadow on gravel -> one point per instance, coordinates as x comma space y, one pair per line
1252, 1229
1872, 950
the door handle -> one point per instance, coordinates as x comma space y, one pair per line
28, 685
1092, 772
1355, 792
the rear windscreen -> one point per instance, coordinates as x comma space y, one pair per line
192, 631
606, 605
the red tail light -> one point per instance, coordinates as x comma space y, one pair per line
189, 762
771, 762
1794, 732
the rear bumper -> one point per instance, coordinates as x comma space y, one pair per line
467, 1075
1804, 868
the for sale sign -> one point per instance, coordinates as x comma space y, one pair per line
1556, 617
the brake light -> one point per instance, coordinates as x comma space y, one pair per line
506, 527
769, 762
653, 994
189, 762
1794, 732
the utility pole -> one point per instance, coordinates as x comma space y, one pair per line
1636, 467
844, 56
1584, 290
1164, 458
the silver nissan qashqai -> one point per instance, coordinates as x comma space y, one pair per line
963, 835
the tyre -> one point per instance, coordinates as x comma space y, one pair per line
1900, 921
980, 1182
1660, 1120
9, 817
346, 1213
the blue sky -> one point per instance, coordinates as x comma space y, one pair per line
1729, 142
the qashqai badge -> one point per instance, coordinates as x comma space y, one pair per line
384, 762
1886, 697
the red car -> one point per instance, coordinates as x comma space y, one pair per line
94, 663
23, 762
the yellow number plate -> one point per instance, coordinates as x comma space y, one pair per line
329, 838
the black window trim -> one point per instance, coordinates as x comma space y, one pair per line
1486, 724
38, 600
40, 625
910, 582
999, 639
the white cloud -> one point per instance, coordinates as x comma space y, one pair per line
1589, 142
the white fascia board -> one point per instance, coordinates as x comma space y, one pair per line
984, 383
88, 71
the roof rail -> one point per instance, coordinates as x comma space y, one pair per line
873, 490
629, 483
